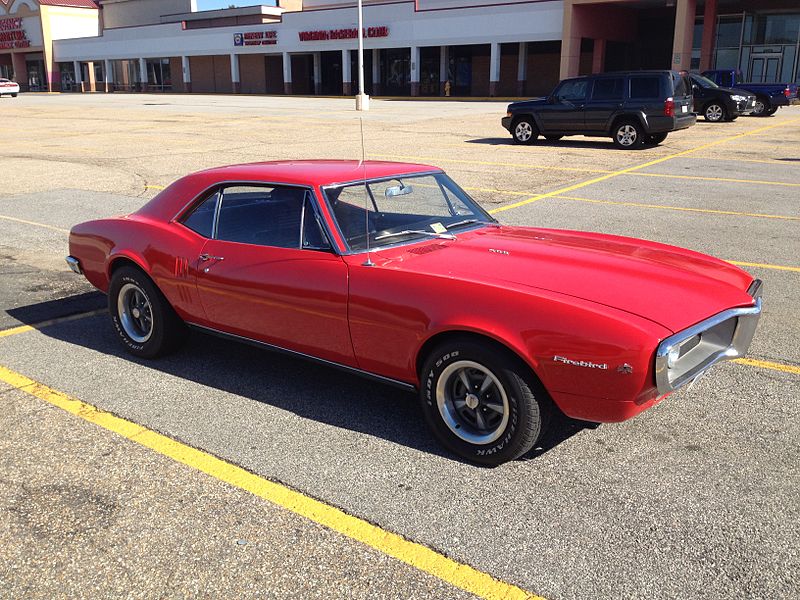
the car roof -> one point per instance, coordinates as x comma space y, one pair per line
316, 173
313, 172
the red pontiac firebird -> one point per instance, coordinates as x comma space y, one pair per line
391, 270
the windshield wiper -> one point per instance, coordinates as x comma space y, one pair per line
442, 236
470, 221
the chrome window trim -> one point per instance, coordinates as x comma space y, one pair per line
747, 319
266, 345
350, 252
219, 186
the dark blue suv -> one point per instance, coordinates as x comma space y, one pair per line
632, 108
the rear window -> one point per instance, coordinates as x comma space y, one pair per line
646, 88
608, 89
681, 85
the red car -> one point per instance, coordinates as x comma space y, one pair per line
391, 270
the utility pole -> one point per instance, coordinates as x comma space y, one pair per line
362, 100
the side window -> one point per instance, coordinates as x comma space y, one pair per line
201, 219
682, 86
645, 88
573, 90
268, 216
608, 89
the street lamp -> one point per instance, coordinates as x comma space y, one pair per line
362, 100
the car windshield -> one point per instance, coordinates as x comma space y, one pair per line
401, 209
704, 82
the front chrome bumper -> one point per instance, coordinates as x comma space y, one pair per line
74, 265
683, 357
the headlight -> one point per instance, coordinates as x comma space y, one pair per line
673, 356
738, 98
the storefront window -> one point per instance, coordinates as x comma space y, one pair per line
159, 76
729, 31
772, 29
67, 70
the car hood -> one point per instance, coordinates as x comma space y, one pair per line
527, 103
670, 286
736, 91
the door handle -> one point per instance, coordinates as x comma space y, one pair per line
205, 257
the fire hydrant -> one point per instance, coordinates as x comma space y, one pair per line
447, 88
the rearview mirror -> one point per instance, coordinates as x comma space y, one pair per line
398, 190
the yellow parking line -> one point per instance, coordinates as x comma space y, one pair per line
679, 208
724, 179
49, 322
764, 266
763, 364
35, 224
771, 161
421, 557
656, 161
154, 187
426, 159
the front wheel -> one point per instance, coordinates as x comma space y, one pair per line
762, 107
145, 322
714, 113
628, 135
481, 404
524, 131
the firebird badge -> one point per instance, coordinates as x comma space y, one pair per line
580, 363
496, 251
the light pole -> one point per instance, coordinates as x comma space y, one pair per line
362, 100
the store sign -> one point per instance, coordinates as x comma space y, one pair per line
12, 35
343, 34
256, 38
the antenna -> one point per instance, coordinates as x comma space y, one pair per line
363, 164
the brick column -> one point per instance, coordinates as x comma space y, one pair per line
287, 73
347, 74
414, 68
599, 56
494, 69
236, 79
709, 35
522, 68
684, 32
20, 70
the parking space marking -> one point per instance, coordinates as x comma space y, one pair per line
155, 187
34, 223
723, 179
635, 168
391, 544
764, 266
764, 364
491, 164
771, 161
40, 325
678, 208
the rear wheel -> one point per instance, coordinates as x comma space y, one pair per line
628, 135
524, 130
771, 111
144, 320
481, 404
13, 95
714, 112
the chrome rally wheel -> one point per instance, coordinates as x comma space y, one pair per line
481, 401
135, 312
144, 320
472, 402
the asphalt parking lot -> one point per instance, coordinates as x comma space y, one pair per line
694, 498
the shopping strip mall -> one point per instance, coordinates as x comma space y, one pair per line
412, 47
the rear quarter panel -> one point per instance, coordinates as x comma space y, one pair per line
167, 252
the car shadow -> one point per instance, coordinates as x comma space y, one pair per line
601, 144
307, 389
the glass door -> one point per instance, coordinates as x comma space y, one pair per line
765, 68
